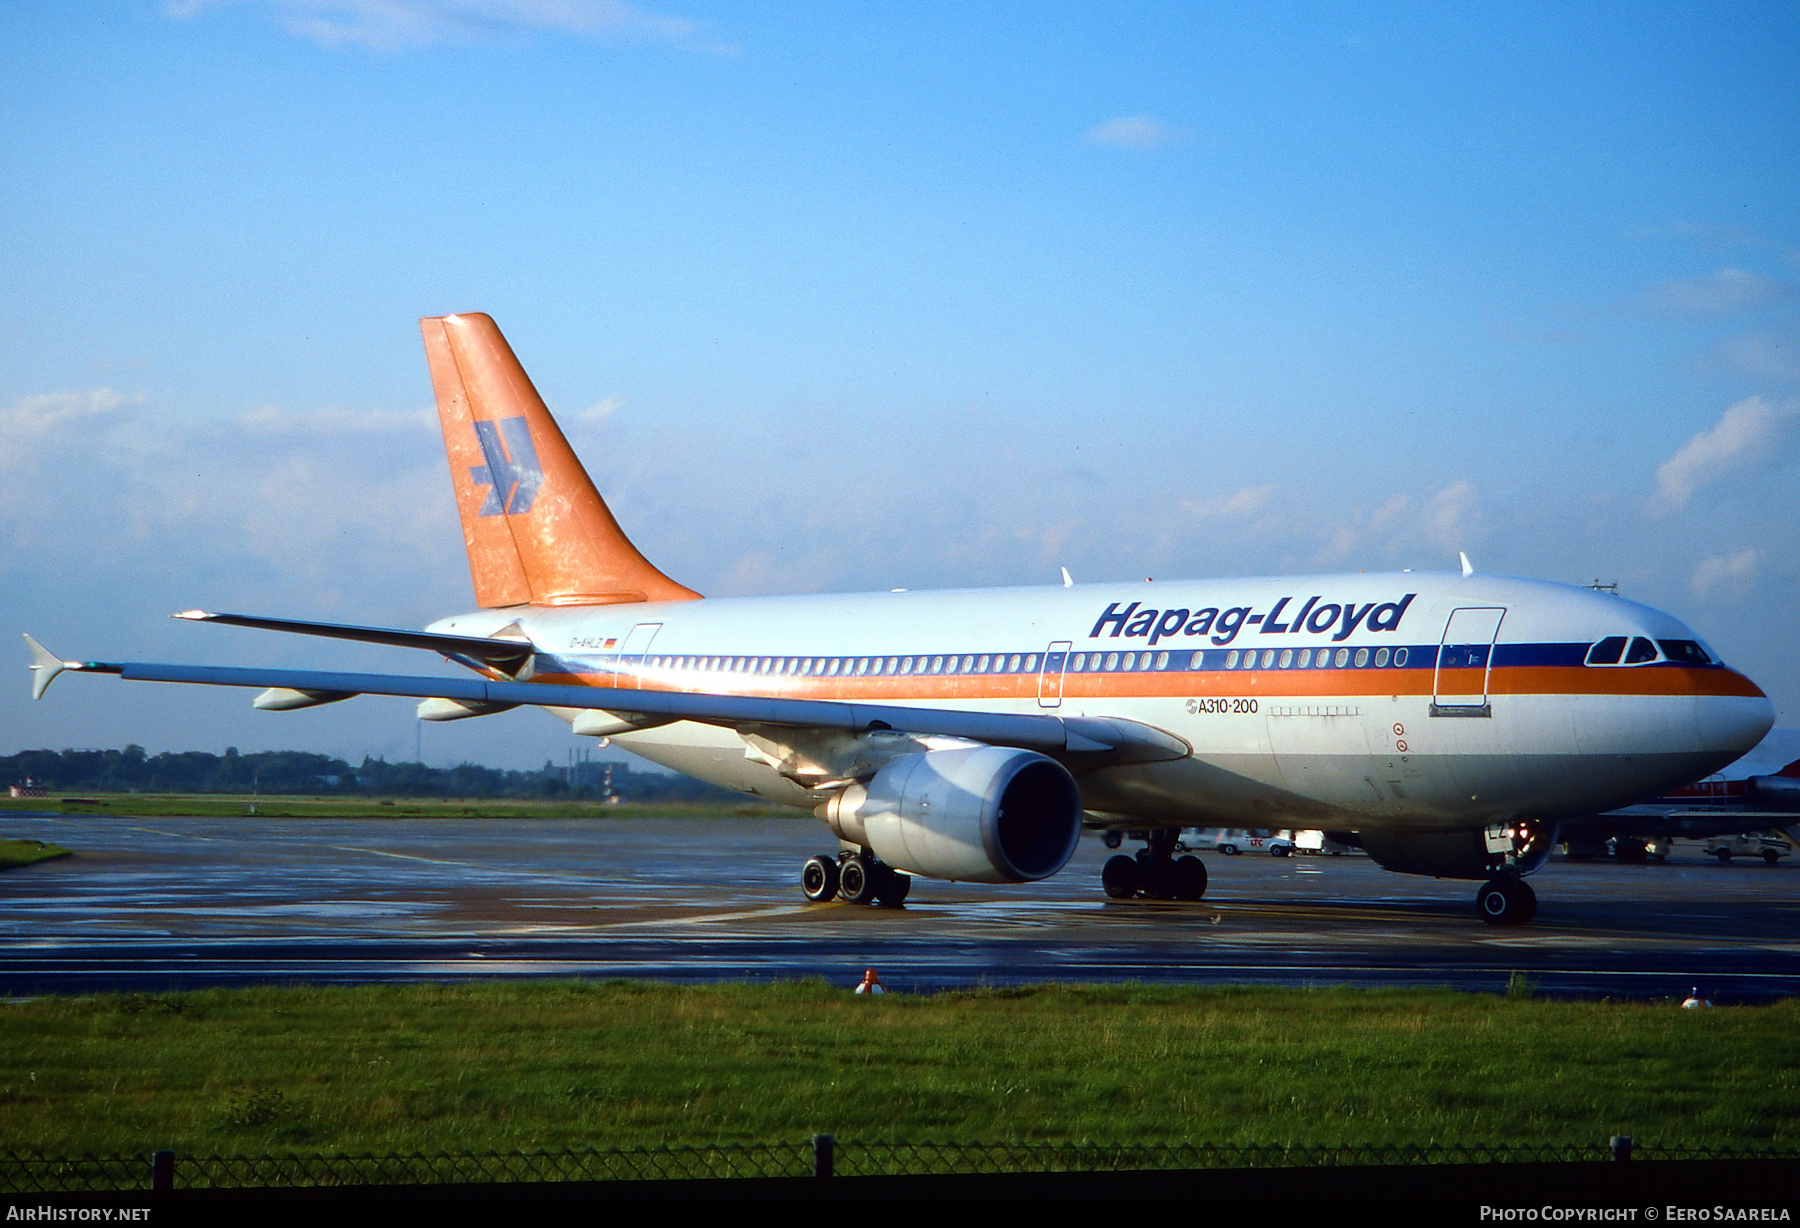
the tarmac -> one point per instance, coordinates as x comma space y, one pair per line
165, 903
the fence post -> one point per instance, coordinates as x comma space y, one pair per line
162, 1171
1621, 1146
823, 1146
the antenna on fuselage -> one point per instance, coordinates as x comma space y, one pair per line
1468, 567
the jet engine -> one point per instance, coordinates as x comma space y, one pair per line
983, 814
1522, 845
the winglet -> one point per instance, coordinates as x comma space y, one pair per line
1068, 580
45, 666
1468, 567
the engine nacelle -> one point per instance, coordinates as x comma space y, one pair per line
1522, 845
981, 814
1775, 792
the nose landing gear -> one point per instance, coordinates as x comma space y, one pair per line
1506, 901
1155, 872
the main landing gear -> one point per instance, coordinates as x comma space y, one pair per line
1155, 872
854, 878
1506, 901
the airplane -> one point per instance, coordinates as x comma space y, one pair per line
1446, 723
1757, 793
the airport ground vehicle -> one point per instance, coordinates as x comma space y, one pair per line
1232, 841
1429, 719
1765, 846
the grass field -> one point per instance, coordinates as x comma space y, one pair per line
509, 1066
27, 852
280, 806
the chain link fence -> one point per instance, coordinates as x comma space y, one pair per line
820, 1157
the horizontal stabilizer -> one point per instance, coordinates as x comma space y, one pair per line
506, 655
1114, 739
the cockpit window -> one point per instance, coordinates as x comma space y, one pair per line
1607, 651
1687, 652
1641, 650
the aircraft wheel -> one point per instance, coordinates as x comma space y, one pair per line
1119, 877
1190, 878
819, 879
1505, 901
892, 887
1530, 899
856, 880
1158, 877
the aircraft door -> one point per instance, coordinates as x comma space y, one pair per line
631, 654
1466, 661
1050, 682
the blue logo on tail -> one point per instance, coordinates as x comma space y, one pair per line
511, 472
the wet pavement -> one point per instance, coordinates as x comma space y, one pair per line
165, 903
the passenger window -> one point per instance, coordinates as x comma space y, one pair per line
1287, 657
906, 664
1078, 663
1343, 657
1129, 661
1641, 650
1362, 657
1031, 664
1305, 658
1607, 651
1381, 657
1012, 664
1162, 660
1399, 656
1112, 661
1198, 661
981, 665
1231, 659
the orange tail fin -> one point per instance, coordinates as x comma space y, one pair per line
536, 529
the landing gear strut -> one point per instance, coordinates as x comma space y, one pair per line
1506, 901
1155, 872
854, 878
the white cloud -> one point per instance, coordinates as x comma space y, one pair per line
1744, 434
1450, 518
1734, 572
1245, 502
393, 25
36, 422
40, 414
599, 411
273, 420
1137, 132
1773, 356
1727, 292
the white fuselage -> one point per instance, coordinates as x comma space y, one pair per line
1399, 702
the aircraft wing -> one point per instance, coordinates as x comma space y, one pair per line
1110, 738
1687, 821
504, 654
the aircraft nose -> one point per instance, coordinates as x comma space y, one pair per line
1736, 723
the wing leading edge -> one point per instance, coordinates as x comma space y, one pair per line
1111, 738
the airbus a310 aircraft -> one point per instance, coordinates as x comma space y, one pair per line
1445, 723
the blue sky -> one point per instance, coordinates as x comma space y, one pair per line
856, 297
